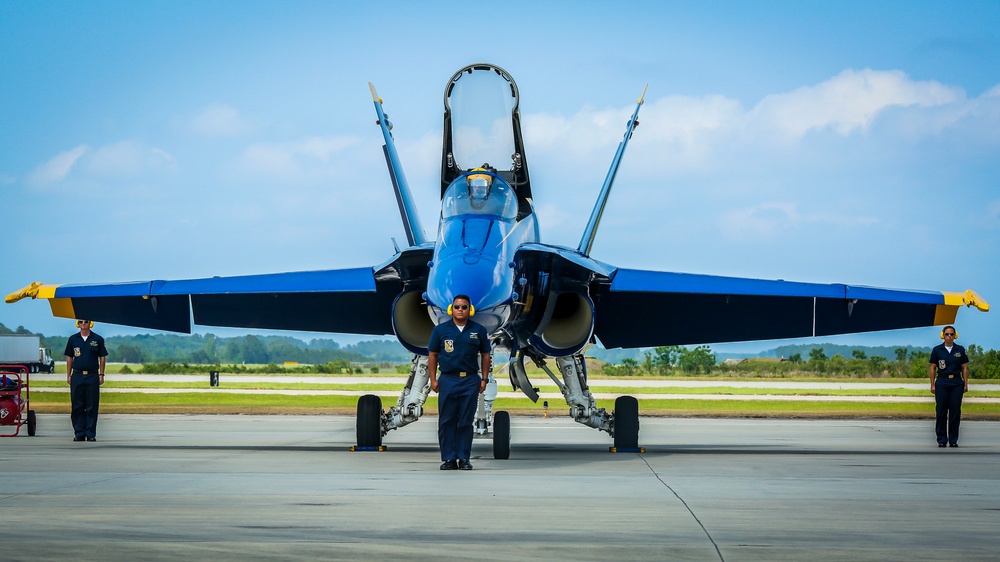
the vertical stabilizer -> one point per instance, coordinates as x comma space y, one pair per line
407, 208
587, 242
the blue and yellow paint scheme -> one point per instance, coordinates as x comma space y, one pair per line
544, 299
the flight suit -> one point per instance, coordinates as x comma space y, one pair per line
458, 385
949, 387
85, 382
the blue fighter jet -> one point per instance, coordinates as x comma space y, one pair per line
538, 301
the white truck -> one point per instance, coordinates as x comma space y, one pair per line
28, 351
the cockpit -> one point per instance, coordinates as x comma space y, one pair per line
479, 192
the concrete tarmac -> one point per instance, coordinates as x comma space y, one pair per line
286, 487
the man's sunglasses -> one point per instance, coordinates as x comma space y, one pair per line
461, 307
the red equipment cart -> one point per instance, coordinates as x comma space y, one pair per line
15, 400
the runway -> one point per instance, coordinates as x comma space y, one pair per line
286, 487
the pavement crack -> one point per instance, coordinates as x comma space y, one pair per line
686, 506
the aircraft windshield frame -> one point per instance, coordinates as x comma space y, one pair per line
481, 102
496, 199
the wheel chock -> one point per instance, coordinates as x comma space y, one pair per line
378, 449
627, 450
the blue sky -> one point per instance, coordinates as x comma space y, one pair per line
854, 142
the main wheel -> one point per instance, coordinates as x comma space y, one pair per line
501, 435
626, 423
32, 423
369, 421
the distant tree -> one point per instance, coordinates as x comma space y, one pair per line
648, 363
858, 354
699, 359
254, 350
835, 364
629, 367
795, 358
200, 356
901, 354
816, 354
127, 353
665, 357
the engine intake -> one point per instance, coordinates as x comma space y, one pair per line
411, 322
566, 326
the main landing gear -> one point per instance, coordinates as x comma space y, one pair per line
622, 424
373, 423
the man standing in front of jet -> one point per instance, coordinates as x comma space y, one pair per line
456, 345
949, 381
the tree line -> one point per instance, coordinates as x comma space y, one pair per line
170, 351
907, 363
209, 349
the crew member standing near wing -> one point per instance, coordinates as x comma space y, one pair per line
462, 348
949, 381
86, 356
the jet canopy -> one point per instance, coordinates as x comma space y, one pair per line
479, 193
482, 124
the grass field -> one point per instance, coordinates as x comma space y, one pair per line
51, 397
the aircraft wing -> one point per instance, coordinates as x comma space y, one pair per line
355, 301
650, 308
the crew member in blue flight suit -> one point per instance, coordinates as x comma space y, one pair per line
462, 348
949, 381
86, 356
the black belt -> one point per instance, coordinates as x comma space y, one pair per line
459, 373
76, 372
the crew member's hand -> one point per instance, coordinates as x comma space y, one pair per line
933, 389
482, 386
101, 381
69, 378
434, 385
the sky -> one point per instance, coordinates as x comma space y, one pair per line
829, 142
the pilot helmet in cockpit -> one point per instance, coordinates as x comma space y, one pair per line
479, 187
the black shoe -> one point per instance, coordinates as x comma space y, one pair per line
954, 445
942, 444
91, 439
449, 465
464, 465
79, 439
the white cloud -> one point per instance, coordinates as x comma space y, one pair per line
309, 158
126, 159
848, 102
220, 120
57, 167
773, 219
122, 159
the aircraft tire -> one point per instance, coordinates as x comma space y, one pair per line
32, 423
501, 435
626, 423
369, 427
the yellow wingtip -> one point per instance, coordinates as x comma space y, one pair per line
971, 298
29, 291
